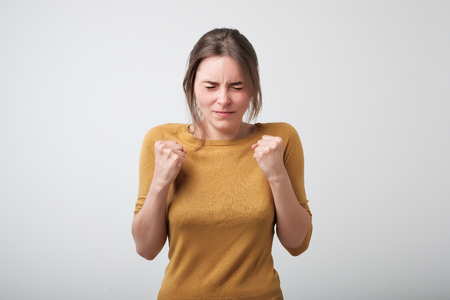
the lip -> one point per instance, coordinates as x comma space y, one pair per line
223, 113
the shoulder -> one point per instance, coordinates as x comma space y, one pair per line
287, 132
281, 129
163, 132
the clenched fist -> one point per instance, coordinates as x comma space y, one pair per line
269, 156
169, 157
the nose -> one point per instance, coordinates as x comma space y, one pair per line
223, 97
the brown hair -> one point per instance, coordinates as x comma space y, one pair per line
224, 42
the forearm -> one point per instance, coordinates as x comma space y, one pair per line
293, 221
149, 226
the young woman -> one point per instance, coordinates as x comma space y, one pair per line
218, 187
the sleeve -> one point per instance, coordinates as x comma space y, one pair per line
294, 163
146, 167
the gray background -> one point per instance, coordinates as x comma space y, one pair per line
366, 84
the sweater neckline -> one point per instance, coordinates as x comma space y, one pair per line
254, 136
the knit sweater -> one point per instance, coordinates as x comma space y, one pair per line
221, 216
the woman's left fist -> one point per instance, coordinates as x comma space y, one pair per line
269, 156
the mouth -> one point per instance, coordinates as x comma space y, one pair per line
223, 113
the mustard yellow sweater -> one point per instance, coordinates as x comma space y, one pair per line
221, 216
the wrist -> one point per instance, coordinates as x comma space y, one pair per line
278, 178
159, 189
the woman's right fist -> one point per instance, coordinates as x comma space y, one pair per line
169, 157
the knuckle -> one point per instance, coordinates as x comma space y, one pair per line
158, 144
161, 145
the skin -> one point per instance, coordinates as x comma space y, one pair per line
293, 221
149, 225
222, 98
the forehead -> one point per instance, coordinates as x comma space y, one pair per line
220, 67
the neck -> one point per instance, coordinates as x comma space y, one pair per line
244, 130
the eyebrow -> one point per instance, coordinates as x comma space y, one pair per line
215, 83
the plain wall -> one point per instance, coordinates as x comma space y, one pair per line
365, 83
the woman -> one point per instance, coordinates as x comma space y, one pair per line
217, 187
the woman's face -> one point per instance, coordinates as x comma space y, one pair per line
221, 96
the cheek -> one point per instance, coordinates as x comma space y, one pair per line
205, 97
244, 101
204, 102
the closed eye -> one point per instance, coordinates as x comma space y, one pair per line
237, 86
